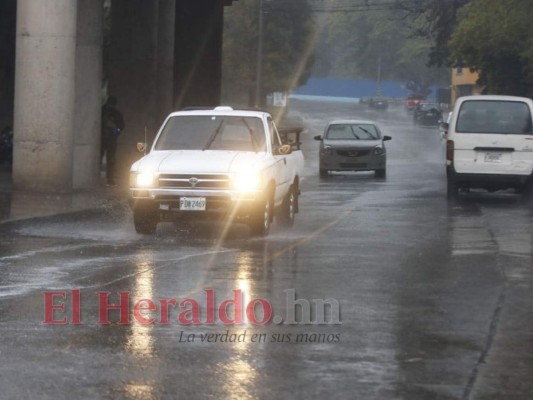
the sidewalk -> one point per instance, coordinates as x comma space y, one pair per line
19, 205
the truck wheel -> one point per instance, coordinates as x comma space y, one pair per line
261, 218
288, 207
145, 221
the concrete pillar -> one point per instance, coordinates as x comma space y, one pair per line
132, 73
88, 102
165, 58
8, 17
198, 54
44, 94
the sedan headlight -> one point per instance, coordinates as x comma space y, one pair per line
327, 150
378, 151
246, 182
144, 179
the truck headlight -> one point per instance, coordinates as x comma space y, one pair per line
246, 182
144, 179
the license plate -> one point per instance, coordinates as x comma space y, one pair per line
192, 203
493, 157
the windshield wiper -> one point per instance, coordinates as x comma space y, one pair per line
353, 133
367, 132
213, 136
251, 132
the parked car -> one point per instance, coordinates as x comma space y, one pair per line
217, 163
427, 114
412, 101
352, 145
490, 144
378, 103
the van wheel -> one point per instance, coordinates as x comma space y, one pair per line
452, 190
527, 191
380, 173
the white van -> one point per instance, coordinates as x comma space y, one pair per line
490, 144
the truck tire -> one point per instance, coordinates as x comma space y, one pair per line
289, 207
262, 217
145, 220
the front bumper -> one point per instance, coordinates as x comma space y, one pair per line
491, 182
218, 202
335, 162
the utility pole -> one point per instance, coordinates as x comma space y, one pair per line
378, 88
259, 71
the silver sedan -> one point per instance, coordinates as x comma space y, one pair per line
353, 145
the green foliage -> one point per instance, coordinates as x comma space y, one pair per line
434, 20
495, 38
356, 45
287, 47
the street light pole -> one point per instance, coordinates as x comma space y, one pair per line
259, 71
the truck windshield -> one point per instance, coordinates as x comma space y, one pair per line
498, 117
213, 132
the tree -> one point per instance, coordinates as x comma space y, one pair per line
495, 39
287, 47
434, 20
356, 45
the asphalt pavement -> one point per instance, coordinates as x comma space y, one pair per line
435, 300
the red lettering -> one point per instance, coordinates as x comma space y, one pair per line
236, 302
123, 306
163, 313
267, 311
138, 308
189, 316
50, 307
76, 307
210, 304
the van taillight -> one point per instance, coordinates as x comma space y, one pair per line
449, 150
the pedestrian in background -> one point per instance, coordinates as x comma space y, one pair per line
112, 127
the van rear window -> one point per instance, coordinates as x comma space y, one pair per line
494, 116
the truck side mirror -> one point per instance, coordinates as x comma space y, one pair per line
386, 138
284, 150
444, 126
318, 137
141, 147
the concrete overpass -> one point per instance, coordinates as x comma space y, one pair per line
163, 55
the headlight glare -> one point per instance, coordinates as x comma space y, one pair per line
145, 179
246, 182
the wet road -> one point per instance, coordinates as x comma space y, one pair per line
435, 301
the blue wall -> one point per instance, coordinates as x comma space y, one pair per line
334, 87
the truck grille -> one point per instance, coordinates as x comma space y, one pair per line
188, 181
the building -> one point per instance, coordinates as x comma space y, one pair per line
464, 83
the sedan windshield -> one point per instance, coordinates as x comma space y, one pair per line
352, 132
428, 106
213, 132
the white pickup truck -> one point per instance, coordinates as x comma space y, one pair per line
219, 162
